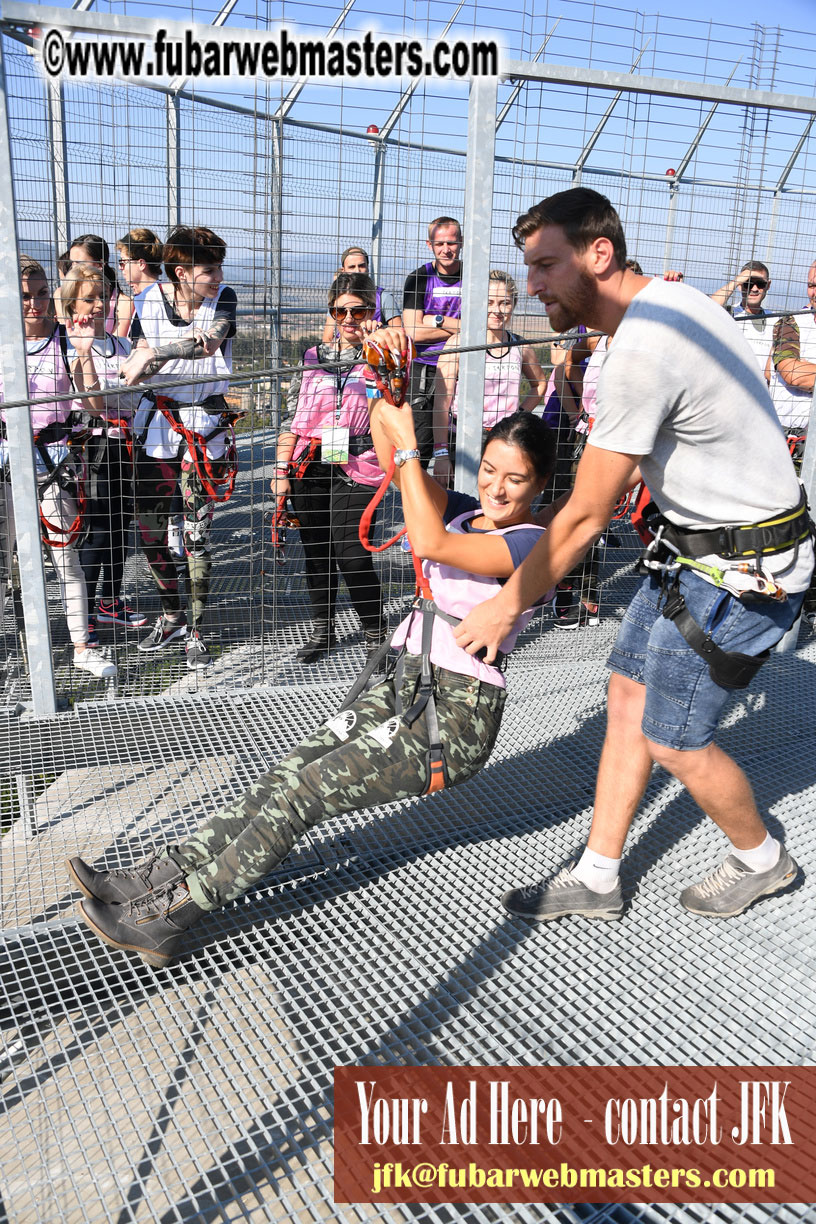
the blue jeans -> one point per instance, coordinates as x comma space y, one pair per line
683, 704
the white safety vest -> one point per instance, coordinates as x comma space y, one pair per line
162, 442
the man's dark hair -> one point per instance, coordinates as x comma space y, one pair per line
756, 265
582, 214
188, 245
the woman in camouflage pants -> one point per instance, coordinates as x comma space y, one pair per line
367, 754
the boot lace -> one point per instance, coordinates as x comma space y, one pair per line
156, 903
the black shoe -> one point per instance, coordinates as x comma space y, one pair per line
153, 926
576, 617
374, 640
563, 599
165, 630
122, 884
319, 641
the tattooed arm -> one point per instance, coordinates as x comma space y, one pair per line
145, 361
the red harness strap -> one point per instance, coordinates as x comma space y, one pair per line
391, 380
55, 535
125, 425
638, 517
218, 486
281, 518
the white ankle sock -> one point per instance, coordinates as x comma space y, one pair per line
763, 857
597, 871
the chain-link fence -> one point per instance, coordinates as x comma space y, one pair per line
290, 176
205, 1093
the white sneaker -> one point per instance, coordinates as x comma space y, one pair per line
175, 538
95, 663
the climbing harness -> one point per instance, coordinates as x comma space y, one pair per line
796, 446
217, 476
281, 517
671, 549
391, 380
70, 473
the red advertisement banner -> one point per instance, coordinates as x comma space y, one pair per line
575, 1134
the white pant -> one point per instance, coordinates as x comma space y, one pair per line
60, 509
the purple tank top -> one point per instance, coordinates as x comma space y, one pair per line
378, 308
439, 299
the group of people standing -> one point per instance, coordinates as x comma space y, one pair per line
109, 455
162, 458
326, 398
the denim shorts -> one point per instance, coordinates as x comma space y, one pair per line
683, 704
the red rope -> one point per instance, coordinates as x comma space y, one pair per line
218, 488
71, 534
392, 384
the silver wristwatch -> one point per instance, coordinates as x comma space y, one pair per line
400, 456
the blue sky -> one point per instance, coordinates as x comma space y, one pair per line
117, 139
794, 14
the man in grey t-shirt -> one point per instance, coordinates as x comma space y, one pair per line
682, 401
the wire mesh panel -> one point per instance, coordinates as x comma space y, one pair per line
291, 177
204, 1092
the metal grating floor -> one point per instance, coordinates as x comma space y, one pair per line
203, 1092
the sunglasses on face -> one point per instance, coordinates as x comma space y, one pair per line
756, 282
358, 313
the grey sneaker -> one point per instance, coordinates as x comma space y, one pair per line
153, 926
164, 631
122, 884
563, 895
732, 887
198, 656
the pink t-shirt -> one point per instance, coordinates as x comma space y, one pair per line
457, 592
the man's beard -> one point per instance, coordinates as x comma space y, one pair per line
575, 306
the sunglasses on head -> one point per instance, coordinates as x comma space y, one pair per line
358, 313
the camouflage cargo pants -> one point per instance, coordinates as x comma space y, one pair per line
362, 757
156, 481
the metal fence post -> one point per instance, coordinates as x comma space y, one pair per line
59, 163
173, 110
375, 270
18, 430
481, 146
275, 278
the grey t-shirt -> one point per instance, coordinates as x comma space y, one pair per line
681, 388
